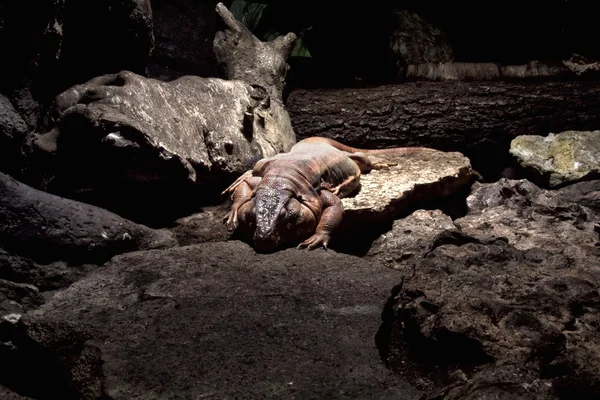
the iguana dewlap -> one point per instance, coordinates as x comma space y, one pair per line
295, 197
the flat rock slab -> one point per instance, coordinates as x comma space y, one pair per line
421, 175
217, 320
559, 159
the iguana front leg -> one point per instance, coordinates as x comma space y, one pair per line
333, 211
241, 195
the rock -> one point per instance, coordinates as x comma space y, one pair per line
52, 276
32, 42
410, 239
184, 32
504, 302
16, 299
530, 218
582, 66
105, 37
560, 158
47, 228
122, 138
7, 394
416, 41
67, 42
205, 226
13, 132
586, 193
217, 319
417, 176
470, 307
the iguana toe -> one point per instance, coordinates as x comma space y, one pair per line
316, 240
231, 221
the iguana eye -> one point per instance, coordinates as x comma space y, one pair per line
283, 212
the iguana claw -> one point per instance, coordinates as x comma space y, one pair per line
231, 220
316, 240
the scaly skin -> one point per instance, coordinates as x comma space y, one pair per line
295, 196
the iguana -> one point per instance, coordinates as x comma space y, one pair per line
296, 195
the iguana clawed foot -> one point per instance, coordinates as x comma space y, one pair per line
231, 220
316, 240
380, 163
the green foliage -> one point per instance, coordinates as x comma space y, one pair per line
266, 24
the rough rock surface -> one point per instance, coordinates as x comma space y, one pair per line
65, 42
7, 394
582, 66
415, 41
559, 159
47, 228
51, 276
124, 139
186, 129
205, 226
478, 119
530, 217
184, 31
410, 238
218, 320
506, 303
416, 177
13, 132
17, 298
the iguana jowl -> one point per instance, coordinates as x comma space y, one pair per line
295, 196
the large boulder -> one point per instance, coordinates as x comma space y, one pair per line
65, 42
558, 159
214, 319
184, 31
121, 139
47, 228
504, 302
13, 133
416, 41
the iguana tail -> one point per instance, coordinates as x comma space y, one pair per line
350, 149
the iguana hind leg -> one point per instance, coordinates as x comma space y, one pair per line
366, 163
345, 188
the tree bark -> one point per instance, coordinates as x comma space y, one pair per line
478, 119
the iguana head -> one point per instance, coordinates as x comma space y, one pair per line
280, 219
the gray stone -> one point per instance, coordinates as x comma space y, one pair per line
559, 159
120, 135
410, 239
45, 276
46, 228
504, 304
416, 41
16, 299
417, 176
219, 320
530, 218
13, 132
